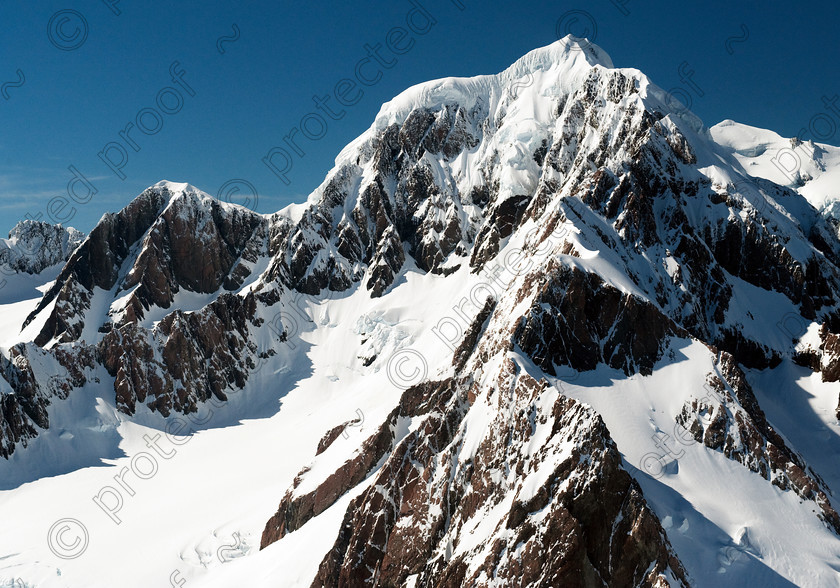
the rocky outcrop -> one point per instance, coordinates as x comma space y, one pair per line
577, 320
185, 360
471, 337
196, 245
830, 364
400, 210
297, 508
169, 238
95, 264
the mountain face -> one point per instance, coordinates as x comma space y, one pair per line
591, 346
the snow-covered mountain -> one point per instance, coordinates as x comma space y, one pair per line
533, 329
33, 246
812, 169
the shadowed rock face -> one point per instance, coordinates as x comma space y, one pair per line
831, 358
95, 264
579, 321
172, 241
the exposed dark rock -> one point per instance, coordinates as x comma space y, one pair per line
465, 349
187, 242
579, 321
295, 511
187, 359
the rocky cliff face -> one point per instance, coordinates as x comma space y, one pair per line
171, 237
583, 227
566, 514
185, 360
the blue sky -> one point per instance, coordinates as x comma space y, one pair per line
211, 110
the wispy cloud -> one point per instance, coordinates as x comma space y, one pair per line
28, 190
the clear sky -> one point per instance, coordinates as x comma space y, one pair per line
203, 91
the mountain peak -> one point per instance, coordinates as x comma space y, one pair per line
564, 64
175, 187
181, 195
569, 48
